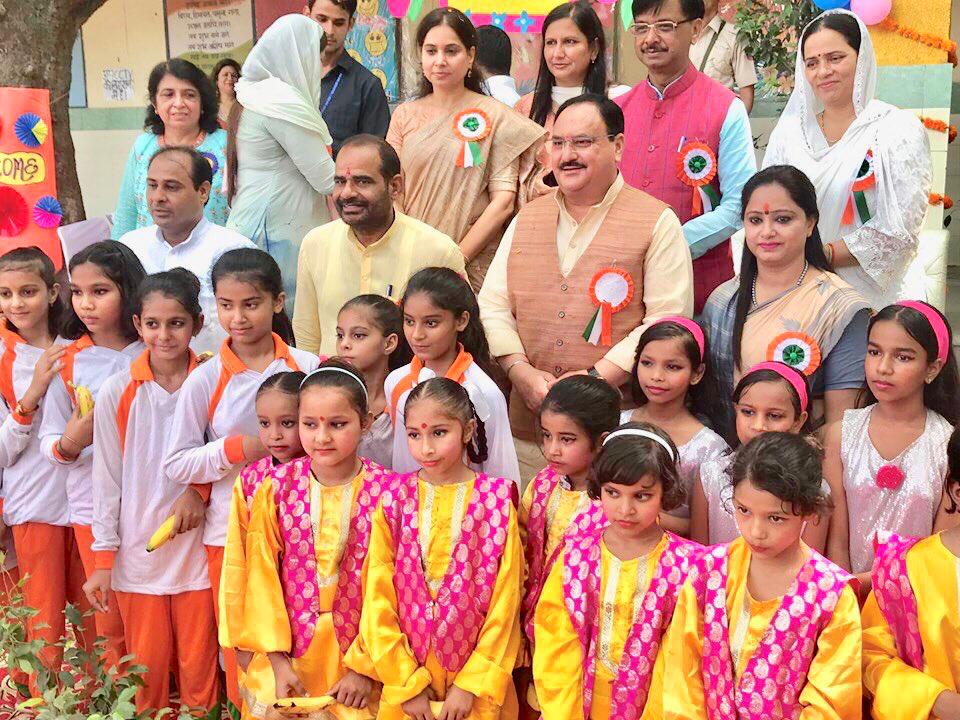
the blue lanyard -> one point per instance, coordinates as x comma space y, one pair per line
333, 90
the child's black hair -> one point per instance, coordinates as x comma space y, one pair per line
259, 269
350, 381
32, 259
943, 394
286, 382
177, 284
455, 400
953, 469
388, 318
123, 268
592, 403
760, 376
788, 467
626, 459
668, 330
450, 292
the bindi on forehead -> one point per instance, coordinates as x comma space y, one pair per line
766, 208
423, 426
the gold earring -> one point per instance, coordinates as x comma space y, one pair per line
469, 72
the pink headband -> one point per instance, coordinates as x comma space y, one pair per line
689, 325
936, 323
792, 376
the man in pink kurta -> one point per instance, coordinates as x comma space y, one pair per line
688, 140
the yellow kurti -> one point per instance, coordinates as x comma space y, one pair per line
562, 506
268, 625
558, 663
487, 672
832, 690
901, 692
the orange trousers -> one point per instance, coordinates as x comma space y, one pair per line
109, 624
173, 631
49, 558
215, 567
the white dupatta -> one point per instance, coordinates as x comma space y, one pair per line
281, 75
887, 243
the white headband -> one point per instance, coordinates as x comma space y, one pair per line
641, 433
331, 368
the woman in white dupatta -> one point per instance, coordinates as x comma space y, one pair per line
282, 165
834, 130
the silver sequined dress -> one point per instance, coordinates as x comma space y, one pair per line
703, 446
907, 510
719, 494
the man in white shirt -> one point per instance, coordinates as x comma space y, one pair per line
178, 187
495, 56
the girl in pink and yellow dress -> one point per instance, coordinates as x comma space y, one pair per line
610, 596
441, 604
277, 405
886, 462
766, 627
306, 547
911, 626
577, 413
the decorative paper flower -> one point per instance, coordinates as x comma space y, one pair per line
30, 129
796, 349
14, 212
48, 213
212, 159
890, 477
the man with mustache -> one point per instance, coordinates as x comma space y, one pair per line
688, 138
593, 240
372, 248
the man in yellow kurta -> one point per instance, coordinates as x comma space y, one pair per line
487, 671
372, 248
595, 231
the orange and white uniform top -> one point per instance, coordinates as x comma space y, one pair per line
32, 491
87, 365
215, 410
131, 498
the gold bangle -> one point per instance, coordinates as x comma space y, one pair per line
512, 365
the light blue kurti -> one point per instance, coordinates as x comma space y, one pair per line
132, 211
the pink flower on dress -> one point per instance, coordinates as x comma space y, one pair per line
890, 477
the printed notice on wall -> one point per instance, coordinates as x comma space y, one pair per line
117, 84
205, 31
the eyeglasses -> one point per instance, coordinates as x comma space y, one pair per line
661, 27
580, 142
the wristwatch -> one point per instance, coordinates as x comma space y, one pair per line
593, 372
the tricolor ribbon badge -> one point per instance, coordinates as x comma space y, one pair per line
611, 290
470, 127
857, 201
697, 167
796, 349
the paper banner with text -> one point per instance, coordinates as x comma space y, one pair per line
29, 210
204, 31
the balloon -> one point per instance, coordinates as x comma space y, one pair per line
831, 4
871, 11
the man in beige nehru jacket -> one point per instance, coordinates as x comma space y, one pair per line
594, 240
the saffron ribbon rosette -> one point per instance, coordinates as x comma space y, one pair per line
857, 201
611, 290
470, 127
697, 167
796, 349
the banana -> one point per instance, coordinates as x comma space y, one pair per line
162, 534
299, 705
84, 399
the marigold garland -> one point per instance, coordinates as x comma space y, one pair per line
934, 41
940, 126
937, 199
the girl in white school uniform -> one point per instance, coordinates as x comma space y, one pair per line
441, 321
370, 336
163, 597
35, 508
214, 431
104, 278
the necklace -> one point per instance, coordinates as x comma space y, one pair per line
753, 290
162, 140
